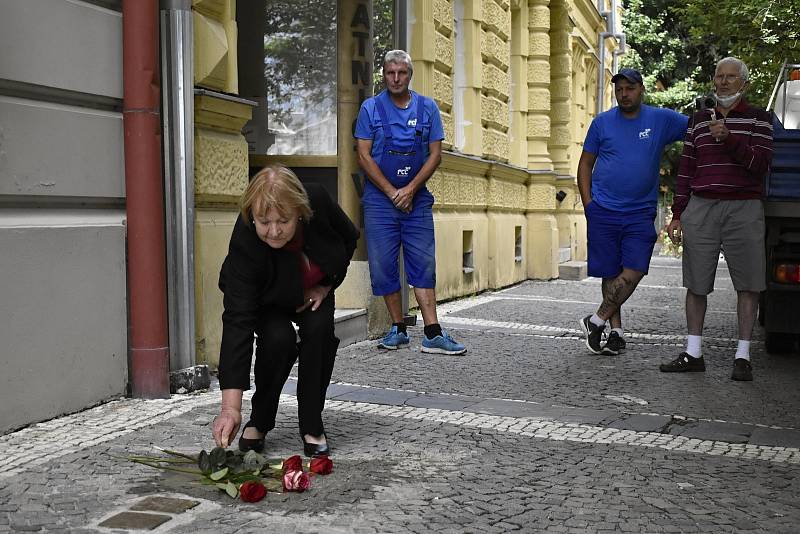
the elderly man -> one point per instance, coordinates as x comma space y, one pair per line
718, 205
399, 137
618, 177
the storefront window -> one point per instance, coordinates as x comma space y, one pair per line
300, 76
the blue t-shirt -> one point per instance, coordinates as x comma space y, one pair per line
401, 121
625, 175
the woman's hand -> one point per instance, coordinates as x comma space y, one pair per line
313, 297
226, 426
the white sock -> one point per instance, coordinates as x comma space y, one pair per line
594, 319
618, 331
693, 344
743, 350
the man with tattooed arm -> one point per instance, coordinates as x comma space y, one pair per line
618, 178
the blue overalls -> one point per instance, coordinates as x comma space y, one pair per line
386, 226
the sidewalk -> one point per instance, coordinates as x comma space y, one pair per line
526, 432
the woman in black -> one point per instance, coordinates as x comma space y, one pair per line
289, 250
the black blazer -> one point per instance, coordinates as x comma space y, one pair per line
254, 277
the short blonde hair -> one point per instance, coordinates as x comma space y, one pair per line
275, 186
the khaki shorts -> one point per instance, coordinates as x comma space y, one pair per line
735, 227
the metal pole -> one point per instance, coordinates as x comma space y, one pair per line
149, 350
178, 126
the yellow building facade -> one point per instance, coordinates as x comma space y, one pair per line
516, 83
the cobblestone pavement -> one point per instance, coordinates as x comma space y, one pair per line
526, 432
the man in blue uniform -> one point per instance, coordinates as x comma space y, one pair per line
399, 137
618, 178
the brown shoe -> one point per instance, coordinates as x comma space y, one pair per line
742, 370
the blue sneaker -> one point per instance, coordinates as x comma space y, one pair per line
443, 344
393, 340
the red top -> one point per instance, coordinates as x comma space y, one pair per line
312, 274
731, 170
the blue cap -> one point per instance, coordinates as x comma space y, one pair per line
632, 75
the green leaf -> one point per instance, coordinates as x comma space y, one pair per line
232, 490
228, 488
219, 475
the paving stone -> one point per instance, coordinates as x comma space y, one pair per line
135, 521
169, 505
713, 431
642, 422
444, 402
775, 437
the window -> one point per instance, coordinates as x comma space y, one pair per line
518, 244
300, 77
468, 254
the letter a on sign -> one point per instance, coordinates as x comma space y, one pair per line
361, 17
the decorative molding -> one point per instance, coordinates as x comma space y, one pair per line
221, 167
497, 18
494, 113
443, 90
445, 53
541, 197
495, 50
220, 114
443, 16
495, 145
495, 81
507, 196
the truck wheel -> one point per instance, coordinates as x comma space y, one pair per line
777, 343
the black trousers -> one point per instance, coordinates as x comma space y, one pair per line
277, 349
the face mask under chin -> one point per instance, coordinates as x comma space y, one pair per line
727, 101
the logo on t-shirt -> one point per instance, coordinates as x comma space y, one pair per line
412, 122
403, 171
644, 134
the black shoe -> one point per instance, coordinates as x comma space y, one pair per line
742, 370
594, 334
312, 450
247, 444
614, 345
683, 364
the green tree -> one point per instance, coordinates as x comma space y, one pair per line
299, 61
762, 33
383, 37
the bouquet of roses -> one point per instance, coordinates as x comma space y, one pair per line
248, 476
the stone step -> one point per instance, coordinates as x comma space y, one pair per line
564, 254
572, 270
350, 325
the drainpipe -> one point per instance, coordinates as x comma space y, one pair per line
611, 23
623, 47
149, 350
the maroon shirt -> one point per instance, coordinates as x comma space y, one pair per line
733, 169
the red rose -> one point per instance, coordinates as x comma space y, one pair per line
321, 466
252, 491
296, 481
293, 463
